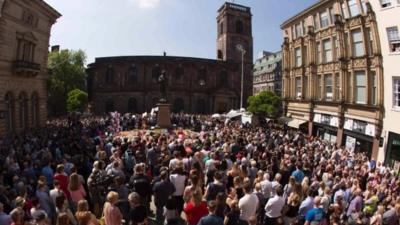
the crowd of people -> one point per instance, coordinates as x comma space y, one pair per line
80, 171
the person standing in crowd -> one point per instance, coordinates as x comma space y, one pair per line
5, 219
112, 214
142, 185
248, 203
84, 216
162, 191
195, 209
138, 212
211, 218
315, 215
178, 179
274, 207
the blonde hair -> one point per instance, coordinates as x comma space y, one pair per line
73, 182
112, 197
83, 206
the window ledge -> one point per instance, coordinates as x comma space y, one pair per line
394, 53
387, 8
395, 110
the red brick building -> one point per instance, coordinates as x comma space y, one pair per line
195, 85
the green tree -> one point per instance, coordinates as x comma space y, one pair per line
77, 100
67, 72
266, 103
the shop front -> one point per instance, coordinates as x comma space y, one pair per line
393, 150
358, 136
325, 127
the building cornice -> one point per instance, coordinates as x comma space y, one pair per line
304, 12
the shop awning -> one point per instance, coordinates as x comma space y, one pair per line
295, 123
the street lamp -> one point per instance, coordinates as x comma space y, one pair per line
240, 48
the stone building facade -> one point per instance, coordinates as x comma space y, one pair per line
268, 73
24, 40
333, 75
388, 19
195, 85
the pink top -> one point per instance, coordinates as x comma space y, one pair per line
78, 194
112, 215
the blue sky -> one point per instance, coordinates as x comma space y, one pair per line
149, 27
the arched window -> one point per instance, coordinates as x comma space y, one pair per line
223, 79
132, 105
133, 74
220, 55
179, 71
9, 114
179, 105
110, 75
34, 110
201, 106
23, 110
109, 105
156, 72
239, 27
202, 76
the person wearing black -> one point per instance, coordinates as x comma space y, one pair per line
162, 191
215, 187
142, 185
137, 212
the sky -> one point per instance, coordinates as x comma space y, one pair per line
149, 27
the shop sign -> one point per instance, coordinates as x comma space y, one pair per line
350, 143
370, 129
325, 119
334, 121
317, 118
348, 124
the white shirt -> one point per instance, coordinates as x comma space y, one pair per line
274, 206
266, 188
179, 182
248, 205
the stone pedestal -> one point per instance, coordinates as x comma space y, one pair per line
164, 115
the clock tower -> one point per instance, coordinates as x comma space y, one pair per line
234, 33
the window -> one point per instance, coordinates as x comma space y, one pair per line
396, 92
305, 55
221, 28
336, 47
332, 15
133, 74
23, 111
305, 86
9, 114
298, 56
34, 109
353, 8
318, 53
155, 73
373, 88
223, 79
345, 11
239, 27
358, 48
319, 87
316, 22
364, 6
328, 87
298, 30
132, 105
179, 105
360, 87
179, 71
337, 87
109, 105
220, 55
110, 75
386, 3
370, 42
327, 50
394, 39
324, 19
298, 87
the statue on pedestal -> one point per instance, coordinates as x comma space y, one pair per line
162, 81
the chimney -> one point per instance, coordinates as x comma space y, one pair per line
164, 53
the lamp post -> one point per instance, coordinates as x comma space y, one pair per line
240, 48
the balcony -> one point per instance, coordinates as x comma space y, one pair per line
27, 68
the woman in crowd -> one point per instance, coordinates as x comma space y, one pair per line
84, 216
112, 214
196, 208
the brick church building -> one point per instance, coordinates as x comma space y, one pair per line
195, 85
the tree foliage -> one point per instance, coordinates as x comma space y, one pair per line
266, 103
77, 100
67, 72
